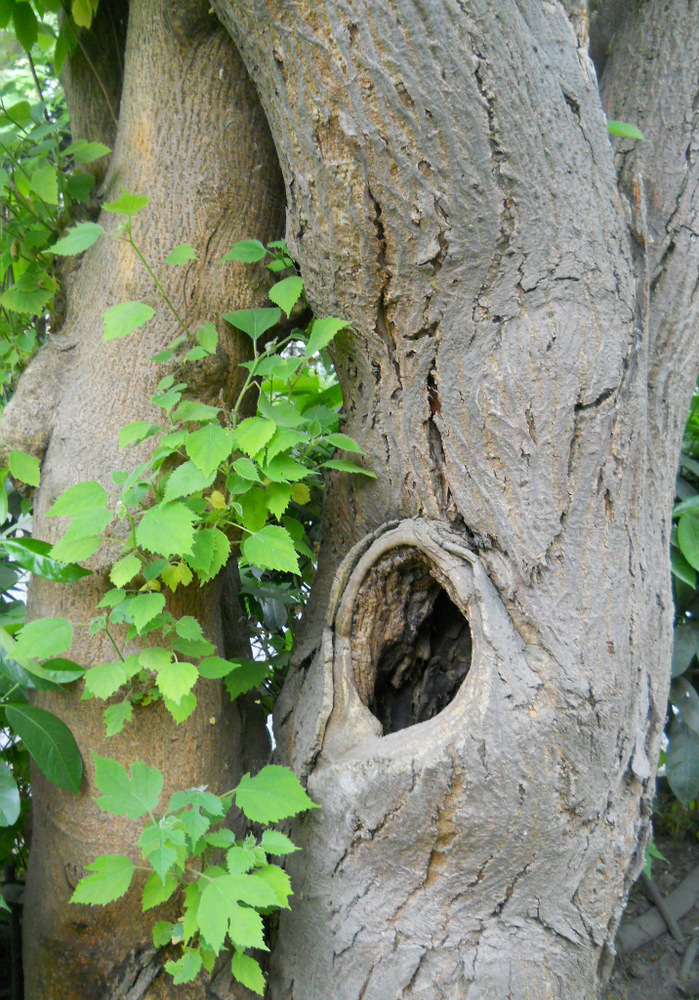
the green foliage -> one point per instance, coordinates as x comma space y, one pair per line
625, 130
222, 904
682, 757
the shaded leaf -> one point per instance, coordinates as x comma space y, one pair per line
50, 743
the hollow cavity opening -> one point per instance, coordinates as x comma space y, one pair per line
411, 644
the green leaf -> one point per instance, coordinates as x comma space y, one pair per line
278, 881
247, 675
277, 498
88, 524
681, 568
185, 480
284, 469
143, 608
83, 151
685, 647
157, 890
682, 764
105, 680
162, 844
215, 667
33, 555
5, 15
24, 468
189, 628
176, 680
124, 570
207, 335
625, 130
127, 204
209, 553
116, 716
50, 743
686, 700
246, 251
10, 802
271, 548
25, 296
25, 24
248, 972
123, 795
183, 709
121, 320
59, 670
344, 442
274, 842
198, 798
167, 529
182, 254
247, 470
75, 549
219, 909
79, 499
83, 12
79, 187
78, 239
286, 293
186, 968
43, 638
254, 322
209, 447
111, 878
252, 434
43, 182
322, 332
162, 933
136, 432
274, 793
344, 466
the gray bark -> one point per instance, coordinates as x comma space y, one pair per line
452, 191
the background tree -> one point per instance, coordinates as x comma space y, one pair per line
479, 691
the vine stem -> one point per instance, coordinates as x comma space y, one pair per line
160, 288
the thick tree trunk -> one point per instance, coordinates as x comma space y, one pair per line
451, 191
191, 137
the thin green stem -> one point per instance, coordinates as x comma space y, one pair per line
113, 642
160, 288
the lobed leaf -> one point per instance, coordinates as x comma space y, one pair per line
111, 878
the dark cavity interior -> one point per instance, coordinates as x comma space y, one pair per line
411, 644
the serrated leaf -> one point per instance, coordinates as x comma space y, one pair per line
207, 335
167, 529
175, 575
182, 254
300, 494
246, 251
10, 802
83, 151
247, 470
78, 239
215, 667
219, 909
157, 890
43, 182
274, 793
116, 717
50, 743
209, 553
124, 570
322, 332
25, 468
136, 432
127, 204
625, 130
123, 795
271, 548
343, 442
75, 549
182, 709
278, 881
176, 680
105, 679
186, 968
126, 317
187, 479
274, 842
191, 410
286, 293
209, 446
254, 322
43, 638
161, 844
252, 434
143, 608
111, 878
248, 972
247, 675
162, 933
199, 798
78, 499
25, 296
341, 465
284, 469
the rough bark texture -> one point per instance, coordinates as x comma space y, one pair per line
451, 190
191, 136
479, 692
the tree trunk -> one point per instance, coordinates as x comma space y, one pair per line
451, 190
479, 691
191, 137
